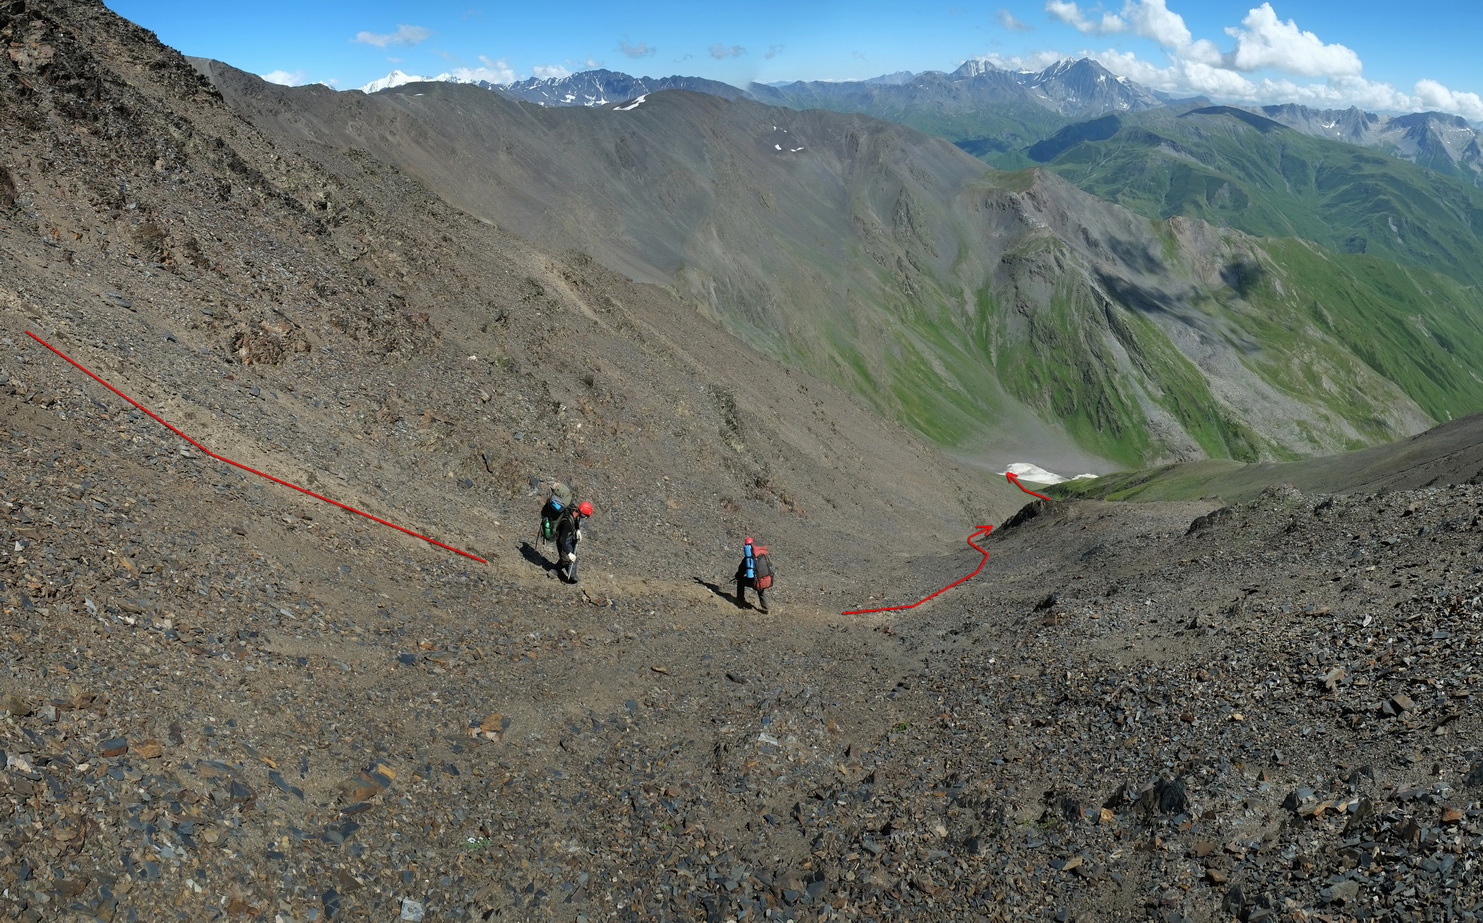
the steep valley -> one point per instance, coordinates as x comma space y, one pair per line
224, 699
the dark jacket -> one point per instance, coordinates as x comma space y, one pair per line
568, 525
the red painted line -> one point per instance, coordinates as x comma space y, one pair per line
982, 530
260, 474
1015, 480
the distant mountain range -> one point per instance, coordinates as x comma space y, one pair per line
1149, 278
967, 302
1448, 143
1243, 170
997, 114
1070, 89
585, 88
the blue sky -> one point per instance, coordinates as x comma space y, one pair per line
1420, 55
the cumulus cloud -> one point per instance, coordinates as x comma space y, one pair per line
1267, 63
720, 51
1150, 19
489, 70
1263, 41
641, 50
1268, 42
1071, 15
1432, 95
404, 35
550, 71
1033, 62
286, 78
773, 51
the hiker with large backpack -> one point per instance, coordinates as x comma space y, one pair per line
559, 499
568, 534
754, 571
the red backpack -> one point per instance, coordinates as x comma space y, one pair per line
762, 568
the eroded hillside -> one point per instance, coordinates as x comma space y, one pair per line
223, 699
995, 313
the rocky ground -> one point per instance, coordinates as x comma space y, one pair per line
1264, 711
224, 699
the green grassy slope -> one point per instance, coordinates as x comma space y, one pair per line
975, 305
1240, 170
1342, 338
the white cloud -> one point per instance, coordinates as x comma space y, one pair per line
1150, 19
286, 78
549, 71
719, 51
1268, 42
1071, 15
1262, 43
1033, 62
1183, 78
1432, 95
489, 70
1193, 78
404, 35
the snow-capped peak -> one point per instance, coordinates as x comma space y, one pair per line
394, 79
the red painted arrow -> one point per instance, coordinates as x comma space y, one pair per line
160, 420
1015, 480
982, 530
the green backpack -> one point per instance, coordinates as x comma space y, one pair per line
550, 513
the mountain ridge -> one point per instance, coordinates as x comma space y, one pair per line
1074, 89
808, 193
223, 699
1268, 179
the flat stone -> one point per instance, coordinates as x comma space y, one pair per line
493, 726
365, 785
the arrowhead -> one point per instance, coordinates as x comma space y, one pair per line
1011, 477
982, 530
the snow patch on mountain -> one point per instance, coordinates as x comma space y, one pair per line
397, 78
1026, 471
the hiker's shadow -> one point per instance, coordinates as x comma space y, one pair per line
529, 553
715, 588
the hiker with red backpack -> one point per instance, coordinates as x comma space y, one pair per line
754, 571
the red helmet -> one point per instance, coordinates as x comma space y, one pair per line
584, 508
749, 540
